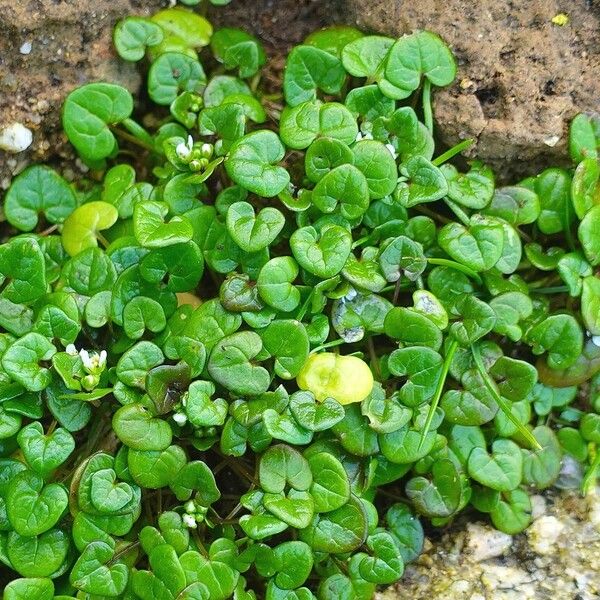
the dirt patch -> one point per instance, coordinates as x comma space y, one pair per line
558, 558
521, 77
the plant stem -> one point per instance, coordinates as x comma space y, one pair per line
131, 138
500, 401
451, 152
331, 344
590, 476
444, 262
557, 289
138, 132
427, 112
438, 390
459, 212
305, 306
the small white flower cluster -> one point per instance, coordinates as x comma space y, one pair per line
93, 364
196, 157
194, 514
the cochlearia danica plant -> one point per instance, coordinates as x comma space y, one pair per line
273, 332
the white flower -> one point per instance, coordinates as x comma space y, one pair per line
189, 521
93, 362
392, 150
190, 507
71, 350
206, 150
180, 418
596, 340
184, 149
86, 359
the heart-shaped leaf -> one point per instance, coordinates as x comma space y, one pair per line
440, 496
275, 283
330, 488
313, 415
22, 359
253, 232
87, 113
133, 35
502, 470
419, 54
252, 163
294, 508
107, 495
386, 564
151, 231
323, 254
230, 364
93, 574
137, 428
45, 453
82, 225
37, 190
33, 507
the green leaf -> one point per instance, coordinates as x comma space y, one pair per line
584, 136
325, 154
22, 361
402, 256
422, 367
473, 189
585, 187
426, 183
300, 125
322, 253
309, 69
237, 49
479, 246
45, 453
230, 364
286, 341
81, 227
553, 190
87, 113
378, 165
330, 488
344, 186
502, 470
590, 304
38, 190
313, 415
172, 73
253, 232
138, 429
513, 512
22, 271
561, 337
38, 556
338, 531
133, 35
589, 235
35, 587
419, 54
33, 507
151, 230
93, 572
252, 163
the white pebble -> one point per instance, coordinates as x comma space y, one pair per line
15, 138
25, 48
484, 543
543, 534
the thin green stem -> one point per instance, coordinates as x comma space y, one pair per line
137, 131
361, 241
438, 390
459, 212
444, 262
304, 307
500, 401
591, 475
427, 112
331, 344
451, 152
131, 138
557, 289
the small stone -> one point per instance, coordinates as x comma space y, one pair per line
552, 140
543, 534
25, 48
538, 506
15, 138
484, 543
593, 503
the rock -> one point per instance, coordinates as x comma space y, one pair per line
543, 534
484, 542
15, 138
521, 77
538, 506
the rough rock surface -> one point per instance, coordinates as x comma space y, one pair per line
521, 77
558, 558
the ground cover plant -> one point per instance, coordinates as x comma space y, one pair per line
269, 334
